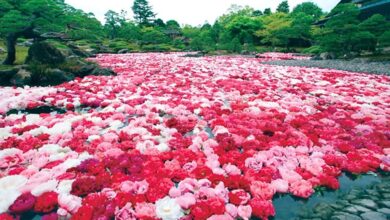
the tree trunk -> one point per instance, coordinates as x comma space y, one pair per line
11, 50
12, 38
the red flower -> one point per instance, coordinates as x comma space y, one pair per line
238, 197
84, 185
46, 203
51, 216
23, 203
6, 216
217, 205
329, 181
85, 212
262, 208
201, 211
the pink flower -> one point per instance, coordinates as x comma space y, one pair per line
145, 210
220, 217
125, 213
231, 210
301, 188
244, 211
280, 185
186, 200
69, 203
262, 190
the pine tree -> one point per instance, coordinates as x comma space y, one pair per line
283, 7
143, 13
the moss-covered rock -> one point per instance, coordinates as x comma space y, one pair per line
43, 52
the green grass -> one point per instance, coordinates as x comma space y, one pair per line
21, 53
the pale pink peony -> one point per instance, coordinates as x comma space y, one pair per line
301, 188
186, 201
244, 211
145, 210
262, 190
280, 185
125, 213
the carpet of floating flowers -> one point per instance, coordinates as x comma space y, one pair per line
188, 138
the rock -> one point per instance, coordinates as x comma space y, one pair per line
385, 204
386, 196
345, 216
85, 70
361, 208
27, 43
123, 51
6, 75
352, 210
2, 50
366, 203
316, 57
385, 211
21, 78
327, 56
42, 52
103, 72
73, 59
373, 216
55, 77
78, 51
323, 210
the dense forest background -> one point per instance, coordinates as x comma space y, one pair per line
240, 30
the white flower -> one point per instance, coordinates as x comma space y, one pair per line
7, 198
9, 190
14, 182
60, 128
168, 209
64, 187
49, 186
163, 147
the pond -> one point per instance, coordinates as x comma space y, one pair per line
289, 207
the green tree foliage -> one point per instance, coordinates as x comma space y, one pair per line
143, 13
274, 26
267, 11
114, 22
344, 34
384, 40
32, 18
150, 35
283, 7
308, 8
376, 25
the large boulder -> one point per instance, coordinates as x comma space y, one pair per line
53, 77
78, 51
6, 75
43, 52
21, 78
103, 72
123, 51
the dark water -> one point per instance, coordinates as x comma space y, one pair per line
288, 207
38, 110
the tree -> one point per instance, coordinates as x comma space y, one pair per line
29, 19
308, 8
283, 7
257, 13
267, 11
376, 25
151, 35
341, 32
143, 13
274, 25
114, 21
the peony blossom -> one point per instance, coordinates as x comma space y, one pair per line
168, 209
